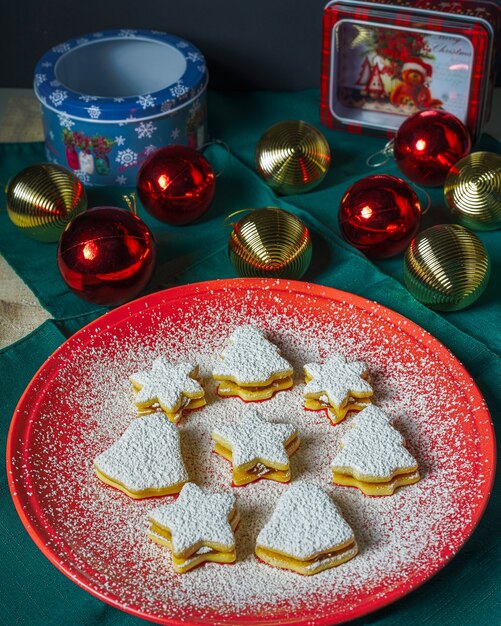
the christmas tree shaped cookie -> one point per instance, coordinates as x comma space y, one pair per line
146, 460
336, 386
256, 448
251, 367
172, 387
373, 456
306, 532
198, 527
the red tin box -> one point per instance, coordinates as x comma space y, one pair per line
383, 61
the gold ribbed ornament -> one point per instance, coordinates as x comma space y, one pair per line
446, 267
473, 191
270, 243
292, 157
43, 198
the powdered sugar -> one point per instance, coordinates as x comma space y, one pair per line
337, 379
372, 447
250, 358
252, 437
197, 519
98, 534
166, 383
146, 456
305, 522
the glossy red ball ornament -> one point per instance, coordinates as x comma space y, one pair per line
176, 184
428, 144
379, 215
106, 255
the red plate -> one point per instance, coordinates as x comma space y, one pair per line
79, 402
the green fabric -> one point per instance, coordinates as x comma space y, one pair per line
468, 590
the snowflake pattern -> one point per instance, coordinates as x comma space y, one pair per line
118, 99
62, 47
46, 64
88, 98
182, 44
179, 89
146, 101
127, 32
51, 135
120, 140
145, 129
94, 112
130, 119
58, 97
195, 57
202, 68
126, 157
97, 35
39, 79
166, 106
175, 133
121, 180
55, 83
149, 149
65, 121
195, 108
82, 40
82, 176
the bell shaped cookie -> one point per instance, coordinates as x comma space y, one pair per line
256, 448
338, 386
173, 388
146, 460
251, 367
373, 457
197, 527
306, 533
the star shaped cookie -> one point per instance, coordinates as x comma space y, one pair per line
251, 367
306, 533
338, 386
256, 448
146, 460
172, 387
198, 527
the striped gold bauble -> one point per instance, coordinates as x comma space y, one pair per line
446, 267
473, 191
292, 157
270, 242
43, 198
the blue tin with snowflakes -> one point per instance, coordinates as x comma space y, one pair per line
109, 99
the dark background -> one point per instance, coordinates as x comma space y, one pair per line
248, 44
251, 44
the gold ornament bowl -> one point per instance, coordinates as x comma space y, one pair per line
270, 243
292, 157
43, 198
473, 191
446, 267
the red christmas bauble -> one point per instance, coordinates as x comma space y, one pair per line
379, 215
428, 144
106, 255
176, 184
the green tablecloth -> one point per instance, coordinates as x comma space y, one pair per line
468, 590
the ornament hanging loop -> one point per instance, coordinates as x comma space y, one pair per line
131, 201
224, 145
381, 157
427, 196
239, 212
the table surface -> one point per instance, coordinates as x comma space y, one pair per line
21, 313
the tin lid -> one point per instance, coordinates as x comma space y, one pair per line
120, 76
